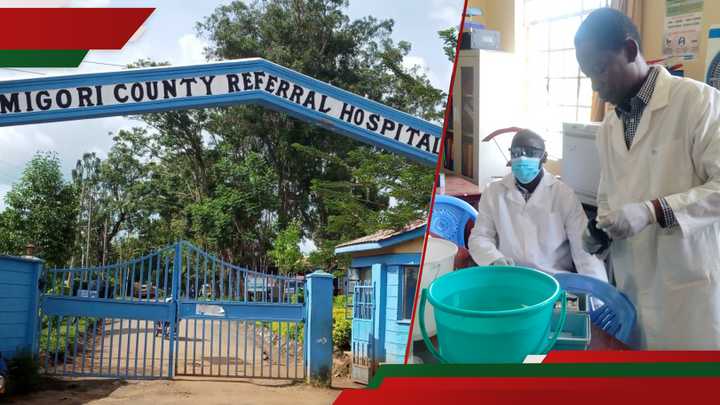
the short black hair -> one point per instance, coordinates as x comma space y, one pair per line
608, 28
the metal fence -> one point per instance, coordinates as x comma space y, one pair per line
175, 311
102, 321
222, 329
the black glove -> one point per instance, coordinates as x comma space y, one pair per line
595, 241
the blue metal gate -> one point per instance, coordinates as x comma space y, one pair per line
362, 339
234, 322
176, 311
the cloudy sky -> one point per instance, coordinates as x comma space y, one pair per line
169, 35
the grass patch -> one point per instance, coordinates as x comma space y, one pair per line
61, 339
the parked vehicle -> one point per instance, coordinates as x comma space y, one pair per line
3, 374
162, 327
93, 289
144, 291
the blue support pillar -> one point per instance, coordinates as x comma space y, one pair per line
176, 277
318, 328
379, 281
34, 326
19, 290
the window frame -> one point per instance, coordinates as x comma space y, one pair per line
402, 291
551, 130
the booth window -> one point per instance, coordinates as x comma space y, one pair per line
467, 118
557, 90
359, 306
408, 285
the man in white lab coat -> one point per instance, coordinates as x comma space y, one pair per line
531, 219
659, 191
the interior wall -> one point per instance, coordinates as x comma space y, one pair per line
653, 30
498, 15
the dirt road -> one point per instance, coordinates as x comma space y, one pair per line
242, 350
130, 348
191, 390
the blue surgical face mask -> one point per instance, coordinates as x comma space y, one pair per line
525, 169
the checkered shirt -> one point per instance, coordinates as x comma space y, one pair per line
631, 120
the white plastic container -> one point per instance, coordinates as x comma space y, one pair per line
439, 260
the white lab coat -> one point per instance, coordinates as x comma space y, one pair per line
672, 276
544, 233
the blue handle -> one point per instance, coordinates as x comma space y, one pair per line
423, 331
561, 324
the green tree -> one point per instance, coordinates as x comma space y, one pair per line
12, 239
41, 209
449, 38
238, 215
318, 186
85, 180
114, 196
286, 250
239, 180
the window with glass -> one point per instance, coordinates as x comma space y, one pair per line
557, 90
360, 295
409, 278
467, 119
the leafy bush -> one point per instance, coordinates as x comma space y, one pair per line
342, 329
299, 297
24, 373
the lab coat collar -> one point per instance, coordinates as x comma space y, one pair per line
661, 94
659, 99
514, 194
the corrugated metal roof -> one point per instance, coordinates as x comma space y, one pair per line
386, 233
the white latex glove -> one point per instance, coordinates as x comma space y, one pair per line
627, 221
503, 261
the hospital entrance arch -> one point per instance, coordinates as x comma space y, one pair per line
168, 287
243, 81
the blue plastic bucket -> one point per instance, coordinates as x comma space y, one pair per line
492, 314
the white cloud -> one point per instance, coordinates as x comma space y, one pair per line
307, 246
191, 50
449, 12
16, 144
16, 148
69, 139
411, 61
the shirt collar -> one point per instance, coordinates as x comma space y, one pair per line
642, 98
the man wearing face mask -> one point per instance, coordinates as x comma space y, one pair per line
531, 219
659, 190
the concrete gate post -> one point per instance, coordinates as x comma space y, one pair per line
318, 328
19, 322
